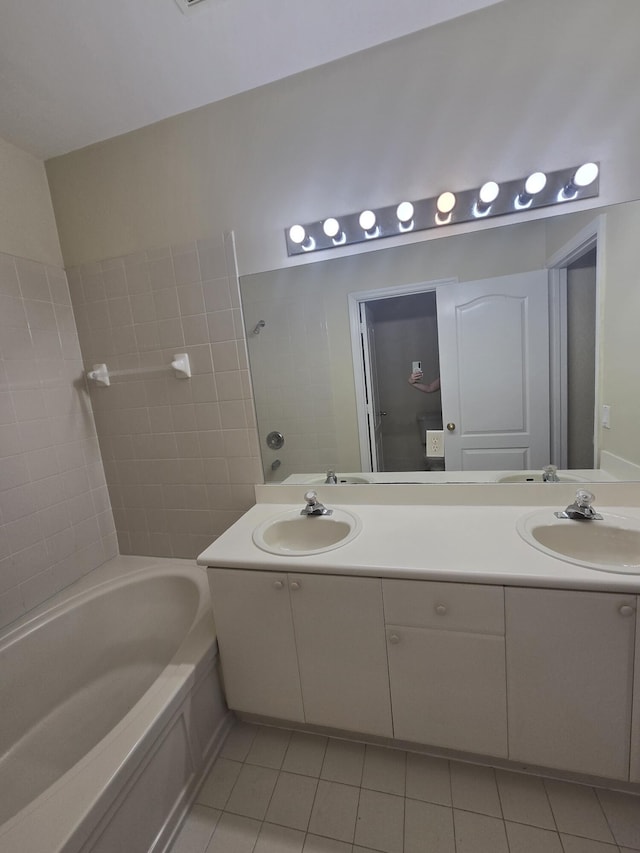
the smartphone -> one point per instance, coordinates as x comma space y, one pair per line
416, 367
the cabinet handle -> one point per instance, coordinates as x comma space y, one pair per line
278, 584
394, 639
441, 609
626, 610
295, 585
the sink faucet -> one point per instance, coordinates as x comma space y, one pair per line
331, 478
581, 509
550, 474
314, 507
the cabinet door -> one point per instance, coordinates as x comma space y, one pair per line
339, 629
635, 731
448, 689
252, 614
569, 679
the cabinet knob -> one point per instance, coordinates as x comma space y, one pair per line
278, 584
394, 639
295, 585
441, 609
626, 610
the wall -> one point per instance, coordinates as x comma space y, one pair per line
180, 456
513, 87
55, 518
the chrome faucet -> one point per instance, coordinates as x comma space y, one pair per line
314, 507
331, 478
581, 509
550, 474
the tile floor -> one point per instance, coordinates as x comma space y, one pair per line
277, 791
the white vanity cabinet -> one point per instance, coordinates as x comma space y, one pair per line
635, 726
570, 679
303, 647
446, 649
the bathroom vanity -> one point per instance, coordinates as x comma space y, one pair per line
436, 625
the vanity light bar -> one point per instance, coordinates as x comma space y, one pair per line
538, 189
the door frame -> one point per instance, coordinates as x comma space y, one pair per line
361, 370
590, 237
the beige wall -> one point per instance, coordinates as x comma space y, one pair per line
517, 86
27, 224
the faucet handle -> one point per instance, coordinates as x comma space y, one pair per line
584, 498
311, 497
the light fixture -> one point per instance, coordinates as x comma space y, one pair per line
404, 214
583, 177
367, 222
538, 189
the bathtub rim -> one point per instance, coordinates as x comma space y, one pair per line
115, 759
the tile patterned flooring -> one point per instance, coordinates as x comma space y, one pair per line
276, 791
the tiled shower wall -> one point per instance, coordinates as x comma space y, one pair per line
55, 519
181, 455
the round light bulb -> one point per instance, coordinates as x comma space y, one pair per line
489, 192
404, 211
331, 227
367, 220
535, 183
446, 202
297, 234
586, 174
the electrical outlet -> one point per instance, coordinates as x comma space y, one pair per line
606, 417
435, 442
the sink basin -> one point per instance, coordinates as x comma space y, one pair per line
295, 535
536, 477
609, 545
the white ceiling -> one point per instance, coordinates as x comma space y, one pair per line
75, 72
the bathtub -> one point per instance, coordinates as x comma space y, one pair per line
111, 711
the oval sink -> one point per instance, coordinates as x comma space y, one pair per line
536, 477
295, 535
609, 545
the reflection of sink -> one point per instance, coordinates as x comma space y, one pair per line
347, 478
536, 477
295, 535
610, 545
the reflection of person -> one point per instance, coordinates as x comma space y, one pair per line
415, 378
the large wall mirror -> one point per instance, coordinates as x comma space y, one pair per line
525, 339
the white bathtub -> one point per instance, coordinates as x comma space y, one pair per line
111, 710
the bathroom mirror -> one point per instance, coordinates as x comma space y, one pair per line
332, 343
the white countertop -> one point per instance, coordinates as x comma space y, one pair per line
462, 543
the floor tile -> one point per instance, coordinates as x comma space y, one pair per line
343, 762
238, 742
623, 814
428, 827
234, 834
219, 783
524, 799
305, 754
428, 779
317, 844
577, 811
334, 811
479, 833
532, 839
269, 747
384, 770
252, 792
474, 789
279, 839
292, 801
380, 822
197, 830
573, 844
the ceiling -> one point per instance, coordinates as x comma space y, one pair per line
81, 71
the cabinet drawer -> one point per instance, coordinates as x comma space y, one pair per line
448, 606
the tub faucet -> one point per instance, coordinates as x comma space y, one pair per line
314, 507
331, 478
550, 474
581, 509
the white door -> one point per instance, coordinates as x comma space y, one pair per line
374, 415
494, 372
